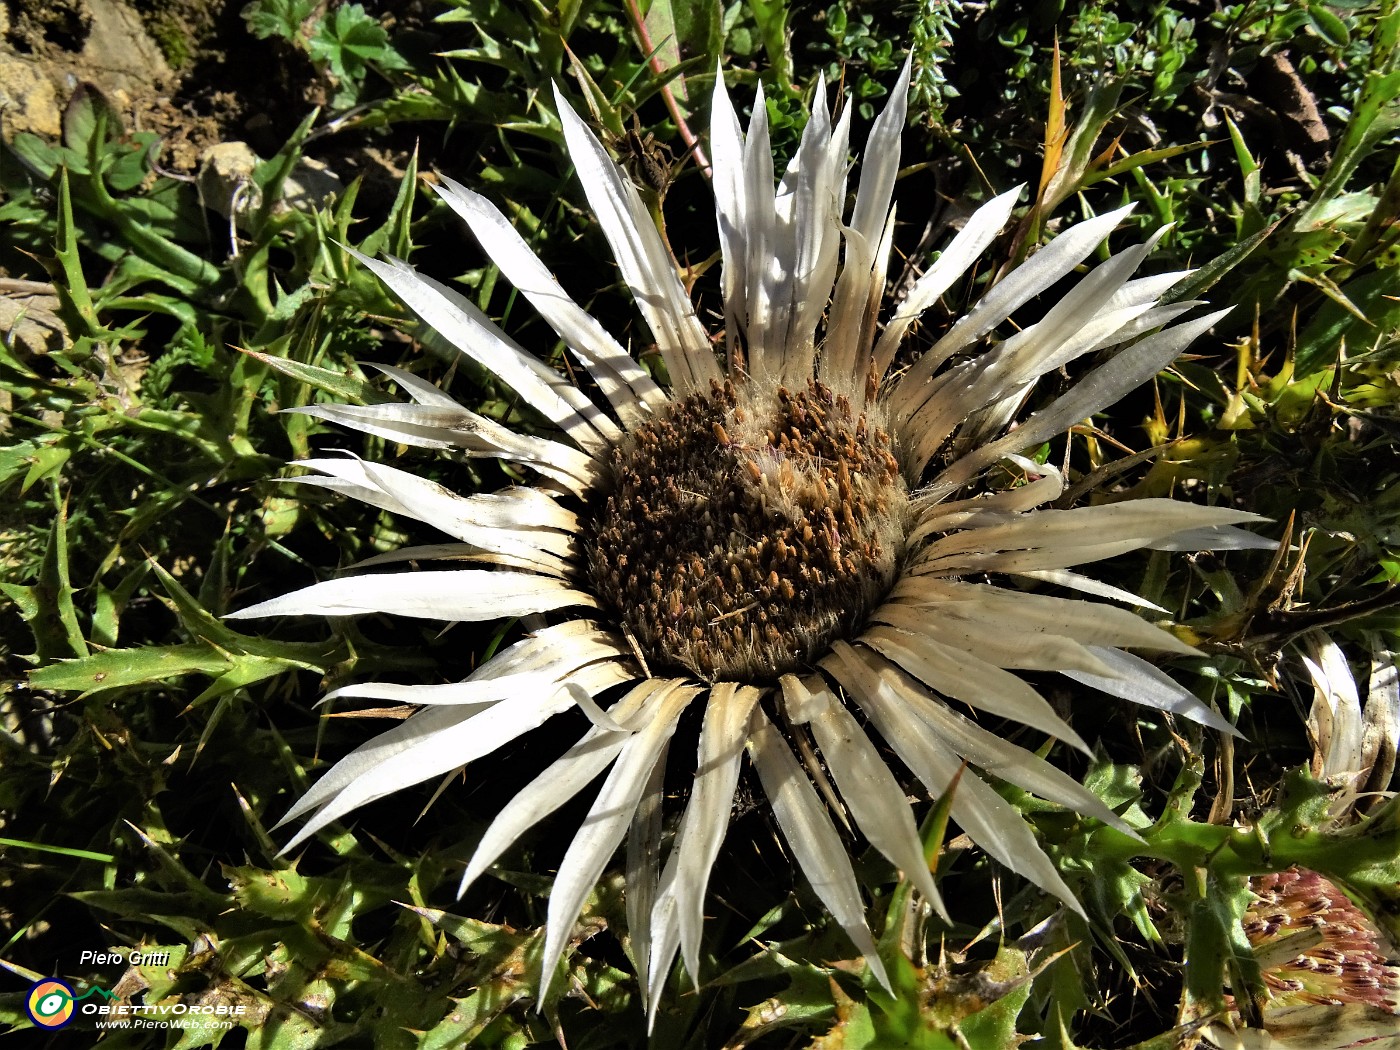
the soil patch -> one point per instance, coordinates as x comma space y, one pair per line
186, 69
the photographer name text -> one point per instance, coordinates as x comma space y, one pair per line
91, 958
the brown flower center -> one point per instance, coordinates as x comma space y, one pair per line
737, 535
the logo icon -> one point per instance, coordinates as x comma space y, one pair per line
50, 1003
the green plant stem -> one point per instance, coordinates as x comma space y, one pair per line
1365, 854
692, 143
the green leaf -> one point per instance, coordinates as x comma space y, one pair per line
198, 620
1140, 160
471, 1016
1249, 167
64, 851
73, 295
284, 895
37, 155
188, 914
117, 668
1334, 325
1218, 954
395, 236
352, 41
1331, 28
1211, 273
343, 386
684, 30
233, 660
45, 462
47, 605
771, 16
244, 670
994, 1026
854, 1028
1374, 114
111, 601
89, 115
131, 163
278, 18
185, 271
270, 175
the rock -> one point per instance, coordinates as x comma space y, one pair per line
28, 98
311, 185
29, 321
225, 178
226, 182
50, 46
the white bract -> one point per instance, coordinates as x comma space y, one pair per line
788, 534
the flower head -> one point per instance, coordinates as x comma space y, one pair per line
1326, 982
787, 533
1341, 962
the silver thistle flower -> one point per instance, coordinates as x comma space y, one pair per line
774, 536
